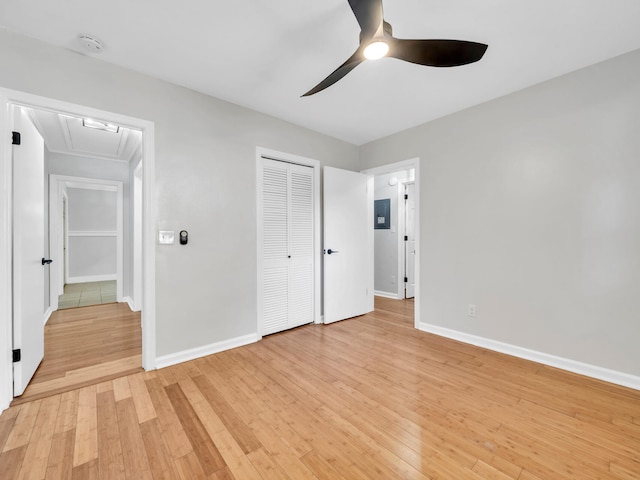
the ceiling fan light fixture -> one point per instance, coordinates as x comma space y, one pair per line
376, 50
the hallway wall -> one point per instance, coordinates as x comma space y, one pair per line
92, 243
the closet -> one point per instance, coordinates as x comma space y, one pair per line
287, 221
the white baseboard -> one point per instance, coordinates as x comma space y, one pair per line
92, 278
593, 371
47, 314
193, 353
394, 296
131, 303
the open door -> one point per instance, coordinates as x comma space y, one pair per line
29, 264
348, 244
410, 240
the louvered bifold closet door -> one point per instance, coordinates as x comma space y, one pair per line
301, 275
288, 245
275, 251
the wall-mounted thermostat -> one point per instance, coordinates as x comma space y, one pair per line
166, 237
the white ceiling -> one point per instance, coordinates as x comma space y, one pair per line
67, 135
263, 54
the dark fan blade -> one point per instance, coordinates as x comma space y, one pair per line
356, 59
369, 15
436, 53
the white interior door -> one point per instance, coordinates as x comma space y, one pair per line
410, 243
28, 248
348, 244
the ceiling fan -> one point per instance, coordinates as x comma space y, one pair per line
377, 41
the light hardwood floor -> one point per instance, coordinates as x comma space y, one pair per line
367, 398
85, 346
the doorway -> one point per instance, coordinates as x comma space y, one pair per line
85, 232
20, 99
391, 182
86, 235
393, 233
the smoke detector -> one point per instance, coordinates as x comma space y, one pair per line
90, 44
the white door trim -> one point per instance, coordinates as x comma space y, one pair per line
8, 97
315, 164
136, 197
56, 189
394, 167
63, 239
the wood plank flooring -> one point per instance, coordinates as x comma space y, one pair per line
85, 346
367, 398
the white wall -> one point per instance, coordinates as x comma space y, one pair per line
387, 241
205, 181
92, 210
530, 209
92, 223
101, 169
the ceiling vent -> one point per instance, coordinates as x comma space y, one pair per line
90, 43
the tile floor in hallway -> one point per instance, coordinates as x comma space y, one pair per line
85, 294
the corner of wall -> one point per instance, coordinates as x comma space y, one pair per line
593, 371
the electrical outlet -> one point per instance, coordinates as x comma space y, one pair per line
471, 311
393, 279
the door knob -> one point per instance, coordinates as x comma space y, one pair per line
332, 251
46, 261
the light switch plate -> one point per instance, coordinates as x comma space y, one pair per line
166, 237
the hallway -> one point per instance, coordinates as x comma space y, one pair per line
85, 346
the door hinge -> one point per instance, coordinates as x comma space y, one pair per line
15, 138
17, 355
406, 196
406, 279
406, 238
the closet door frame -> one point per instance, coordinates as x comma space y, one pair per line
261, 154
